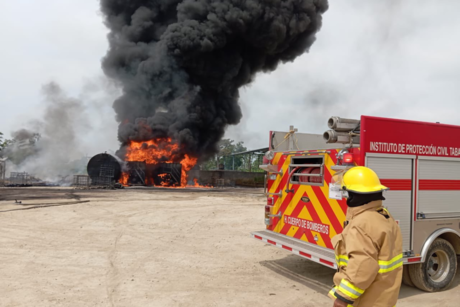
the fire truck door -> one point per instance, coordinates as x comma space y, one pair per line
438, 187
396, 173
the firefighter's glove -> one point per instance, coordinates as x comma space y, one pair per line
339, 303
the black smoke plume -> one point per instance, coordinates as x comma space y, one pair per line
181, 63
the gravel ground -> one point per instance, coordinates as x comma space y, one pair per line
155, 247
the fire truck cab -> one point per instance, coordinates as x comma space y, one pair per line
418, 161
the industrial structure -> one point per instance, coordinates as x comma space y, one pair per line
2, 171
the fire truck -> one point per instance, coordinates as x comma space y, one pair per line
418, 161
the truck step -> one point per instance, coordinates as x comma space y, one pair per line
303, 249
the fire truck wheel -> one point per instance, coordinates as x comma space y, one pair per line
406, 277
438, 270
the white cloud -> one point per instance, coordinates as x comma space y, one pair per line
386, 58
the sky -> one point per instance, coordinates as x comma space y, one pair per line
391, 58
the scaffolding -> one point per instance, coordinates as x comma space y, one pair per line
104, 181
169, 173
98, 181
81, 181
106, 170
136, 172
19, 179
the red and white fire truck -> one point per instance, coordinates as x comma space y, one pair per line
418, 161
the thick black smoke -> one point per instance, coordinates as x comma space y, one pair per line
181, 63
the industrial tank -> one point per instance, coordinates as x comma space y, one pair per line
104, 166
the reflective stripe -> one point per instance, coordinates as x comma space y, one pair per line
385, 266
332, 292
350, 289
341, 260
392, 260
390, 265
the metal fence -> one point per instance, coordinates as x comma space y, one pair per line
102, 181
81, 181
86, 181
18, 179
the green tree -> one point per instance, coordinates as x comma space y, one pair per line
227, 147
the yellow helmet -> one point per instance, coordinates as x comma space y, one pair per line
362, 180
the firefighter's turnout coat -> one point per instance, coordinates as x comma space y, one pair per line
369, 258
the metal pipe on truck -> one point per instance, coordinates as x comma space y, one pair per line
342, 124
332, 136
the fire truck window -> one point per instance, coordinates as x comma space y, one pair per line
307, 160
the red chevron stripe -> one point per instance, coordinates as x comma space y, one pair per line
269, 182
328, 209
295, 213
327, 240
328, 179
287, 198
300, 231
333, 155
279, 188
308, 234
286, 201
279, 166
315, 217
298, 235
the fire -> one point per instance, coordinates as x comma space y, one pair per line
159, 151
153, 151
197, 185
124, 179
187, 164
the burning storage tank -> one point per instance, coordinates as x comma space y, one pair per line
160, 174
157, 162
104, 169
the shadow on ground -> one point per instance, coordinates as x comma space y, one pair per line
310, 274
319, 278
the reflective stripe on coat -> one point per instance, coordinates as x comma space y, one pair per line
369, 256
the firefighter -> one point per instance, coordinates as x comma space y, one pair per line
369, 250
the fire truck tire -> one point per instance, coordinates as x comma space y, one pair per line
438, 270
406, 277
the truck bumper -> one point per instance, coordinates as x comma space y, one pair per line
303, 249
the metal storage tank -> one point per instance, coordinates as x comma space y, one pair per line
104, 168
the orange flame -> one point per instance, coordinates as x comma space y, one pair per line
153, 151
187, 164
159, 151
165, 177
197, 185
124, 179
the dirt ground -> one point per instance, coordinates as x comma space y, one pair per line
155, 247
